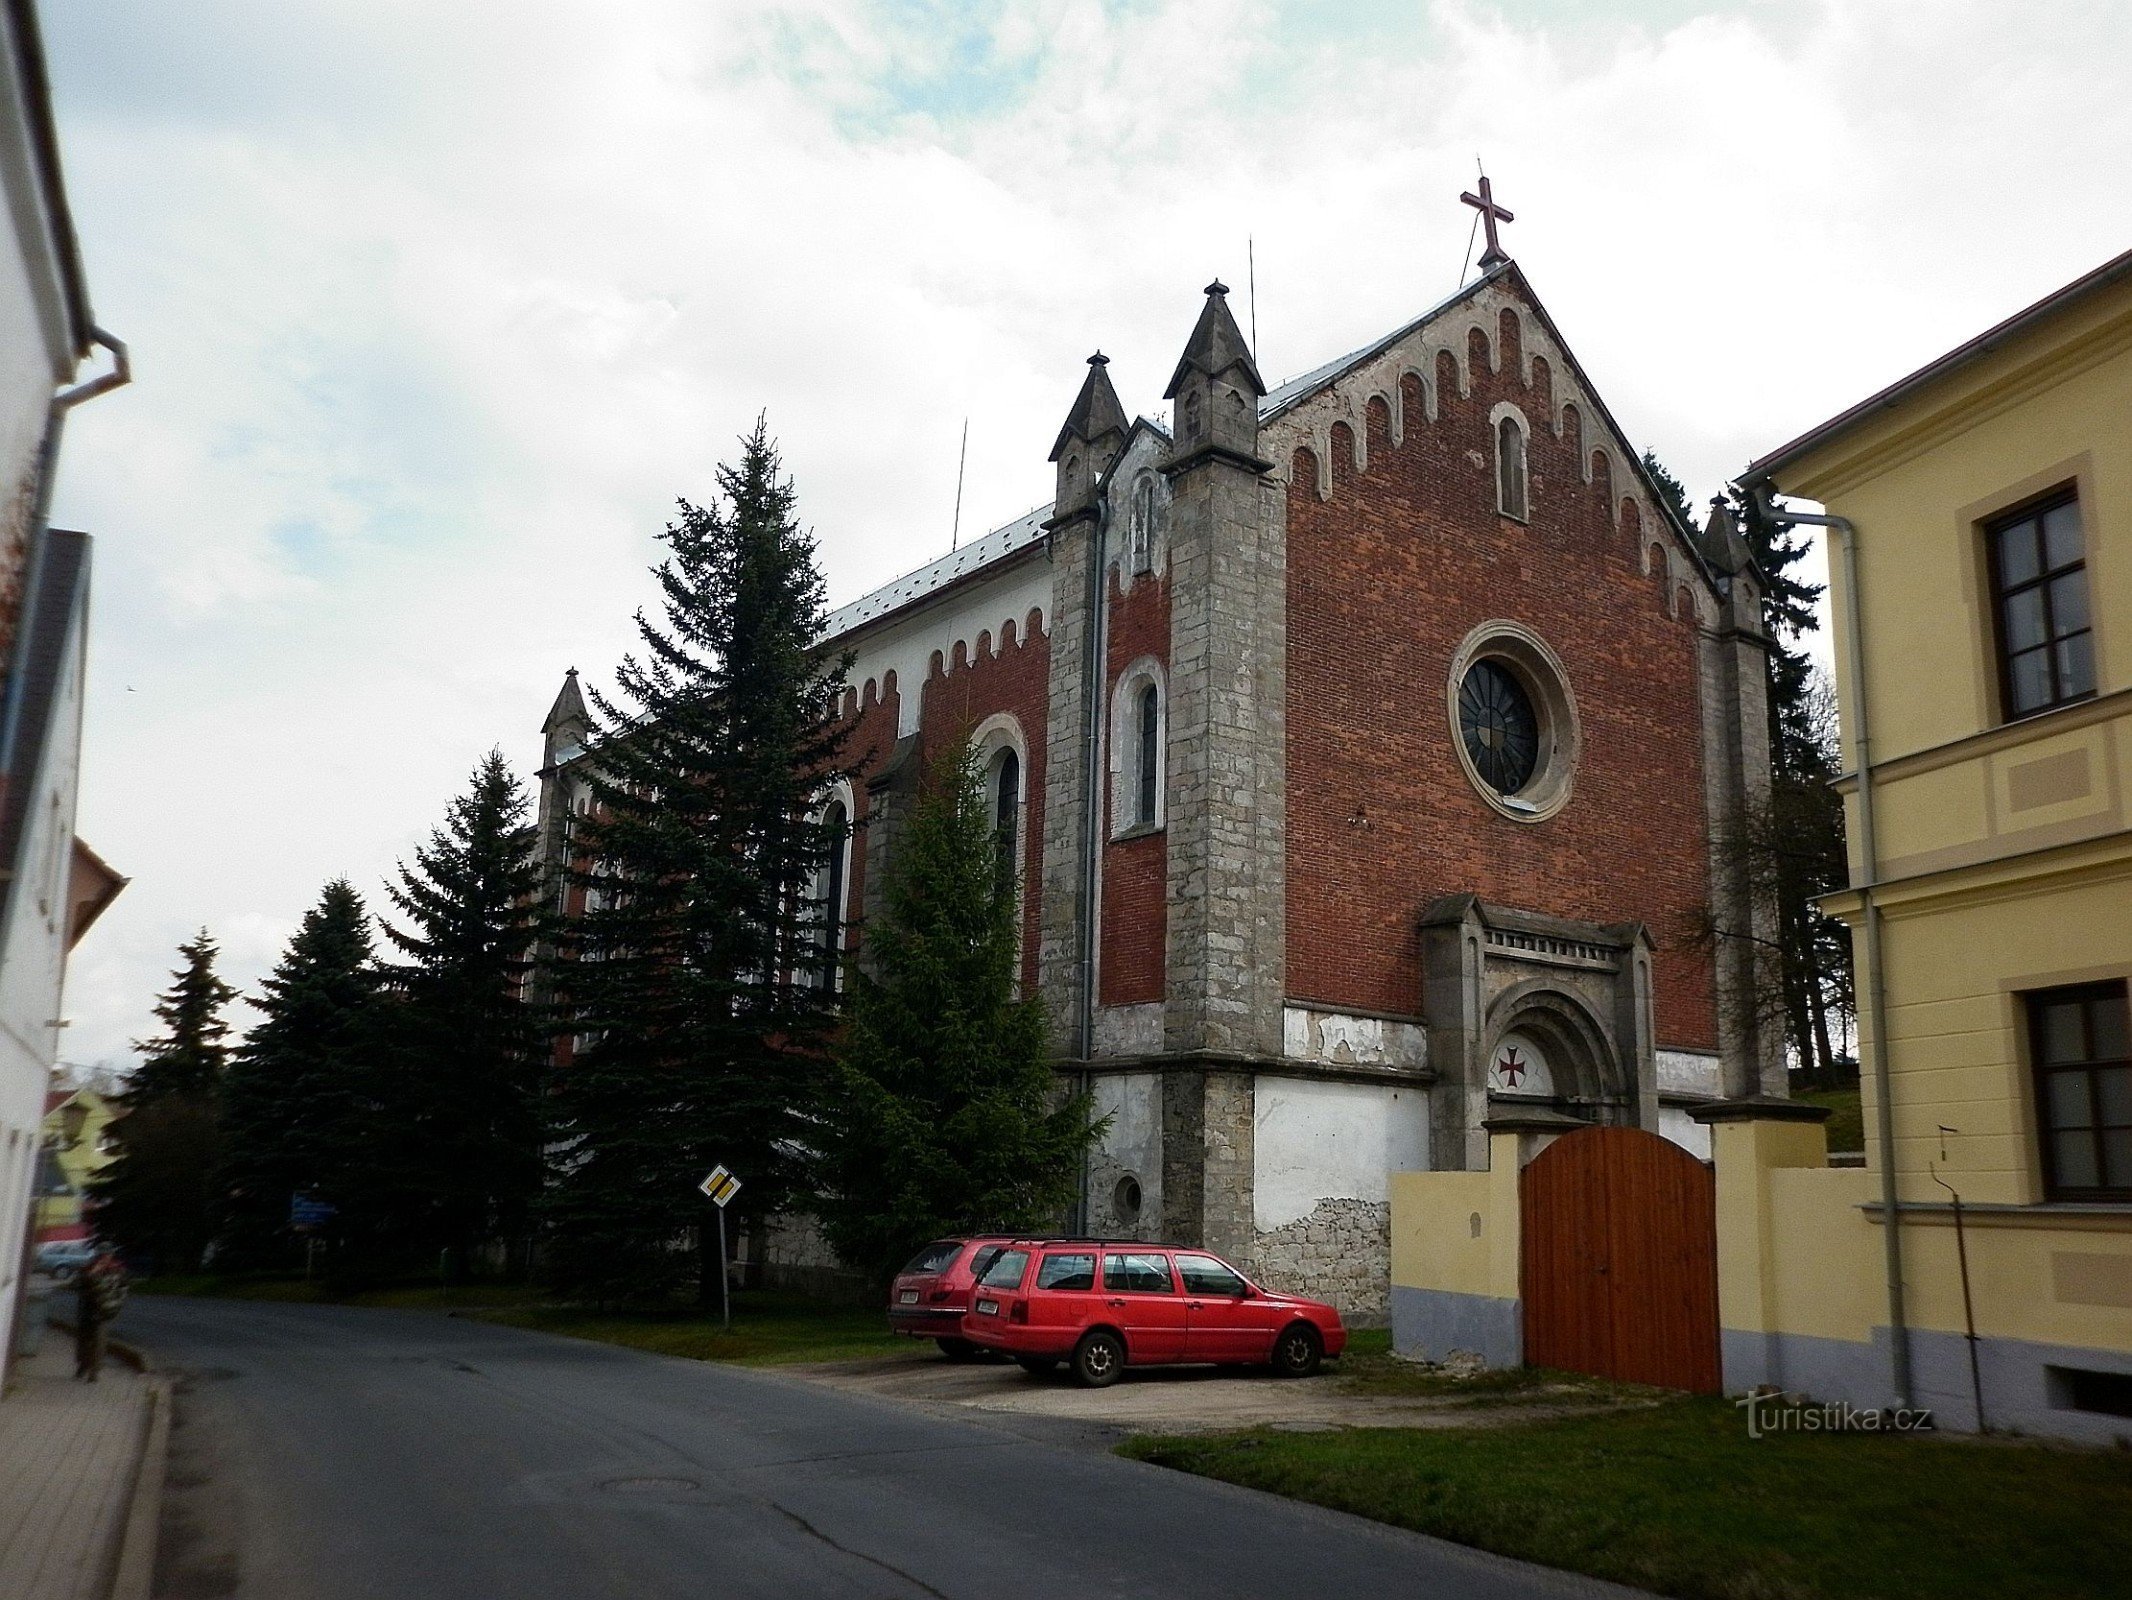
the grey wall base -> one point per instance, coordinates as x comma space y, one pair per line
1434, 1323
2020, 1392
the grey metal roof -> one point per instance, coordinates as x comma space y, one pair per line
997, 545
1026, 530
1287, 394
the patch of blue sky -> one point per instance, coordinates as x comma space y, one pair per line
949, 64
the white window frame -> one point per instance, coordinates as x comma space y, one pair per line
1125, 815
818, 909
1140, 534
1507, 412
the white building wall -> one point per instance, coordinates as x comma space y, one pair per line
1322, 1157
1131, 1149
33, 954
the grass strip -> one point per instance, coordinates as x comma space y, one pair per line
1678, 1499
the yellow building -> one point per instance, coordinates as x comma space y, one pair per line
76, 1147
1982, 553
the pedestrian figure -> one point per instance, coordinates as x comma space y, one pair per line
99, 1290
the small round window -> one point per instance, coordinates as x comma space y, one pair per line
1125, 1199
1501, 729
1513, 720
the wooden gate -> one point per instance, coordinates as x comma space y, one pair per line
1618, 1267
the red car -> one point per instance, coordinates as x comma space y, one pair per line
1106, 1306
932, 1291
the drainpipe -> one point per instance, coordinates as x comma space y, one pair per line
1092, 680
47, 473
1869, 881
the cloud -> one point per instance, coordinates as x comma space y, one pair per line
436, 309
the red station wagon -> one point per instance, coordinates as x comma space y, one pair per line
1105, 1307
932, 1291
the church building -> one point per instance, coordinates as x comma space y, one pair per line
1367, 748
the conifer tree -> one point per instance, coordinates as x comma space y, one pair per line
461, 1079
299, 1103
1793, 845
689, 984
155, 1200
948, 1116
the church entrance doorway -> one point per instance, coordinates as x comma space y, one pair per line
1618, 1263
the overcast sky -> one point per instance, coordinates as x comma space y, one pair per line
435, 308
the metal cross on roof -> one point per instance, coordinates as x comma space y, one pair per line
1491, 213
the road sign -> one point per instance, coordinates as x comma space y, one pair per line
721, 1186
307, 1211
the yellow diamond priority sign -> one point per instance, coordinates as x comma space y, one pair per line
721, 1186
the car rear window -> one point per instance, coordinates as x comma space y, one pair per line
1205, 1275
1142, 1274
935, 1257
1006, 1272
1067, 1272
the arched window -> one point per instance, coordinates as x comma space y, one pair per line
1150, 768
1140, 541
1006, 812
835, 826
1510, 468
1137, 739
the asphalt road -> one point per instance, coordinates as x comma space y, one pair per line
324, 1453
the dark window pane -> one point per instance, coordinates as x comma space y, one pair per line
2064, 1039
2069, 602
2017, 553
2074, 1161
1139, 1274
2113, 1094
981, 1262
2107, 1017
1006, 1272
2076, 666
1500, 728
2061, 534
1150, 753
934, 1257
1205, 1275
1067, 1272
2066, 1100
2029, 677
2024, 620
2117, 1158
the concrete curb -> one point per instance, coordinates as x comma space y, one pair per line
135, 1571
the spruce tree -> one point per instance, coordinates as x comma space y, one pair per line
155, 1200
690, 986
299, 1102
948, 1116
1793, 845
461, 1078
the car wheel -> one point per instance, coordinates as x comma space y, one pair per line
1298, 1351
1098, 1360
957, 1349
1036, 1366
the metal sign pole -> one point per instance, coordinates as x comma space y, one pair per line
725, 1278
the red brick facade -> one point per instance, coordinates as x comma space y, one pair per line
1135, 870
1385, 579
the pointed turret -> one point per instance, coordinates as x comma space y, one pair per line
567, 722
1088, 443
1722, 544
1216, 388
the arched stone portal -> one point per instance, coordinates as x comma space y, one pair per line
1573, 1000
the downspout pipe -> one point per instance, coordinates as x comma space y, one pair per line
1846, 542
1093, 676
65, 400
